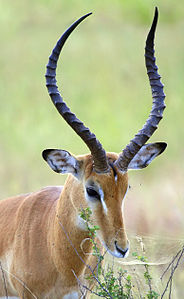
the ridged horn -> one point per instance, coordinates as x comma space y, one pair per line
95, 147
158, 105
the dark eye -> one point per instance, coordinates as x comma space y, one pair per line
92, 193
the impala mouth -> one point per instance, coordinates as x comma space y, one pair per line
123, 252
118, 251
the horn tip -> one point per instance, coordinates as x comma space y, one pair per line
86, 15
150, 37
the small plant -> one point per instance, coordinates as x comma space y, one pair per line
85, 214
110, 283
148, 279
113, 284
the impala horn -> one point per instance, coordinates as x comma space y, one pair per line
95, 147
158, 105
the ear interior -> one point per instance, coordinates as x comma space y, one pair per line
61, 161
147, 154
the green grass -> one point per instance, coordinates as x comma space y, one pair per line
103, 78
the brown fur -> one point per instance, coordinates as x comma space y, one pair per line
39, 232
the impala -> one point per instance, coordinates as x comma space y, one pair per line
41, 232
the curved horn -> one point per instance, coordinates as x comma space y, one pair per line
95, 147
157, 108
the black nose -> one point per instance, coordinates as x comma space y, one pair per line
120, 250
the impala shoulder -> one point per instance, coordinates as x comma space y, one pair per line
39, 202
53, 191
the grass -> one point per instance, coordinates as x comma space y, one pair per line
103, 78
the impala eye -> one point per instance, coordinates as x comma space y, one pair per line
92, 193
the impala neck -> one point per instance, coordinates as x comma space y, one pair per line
75, 244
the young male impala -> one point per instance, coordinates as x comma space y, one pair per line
41, 232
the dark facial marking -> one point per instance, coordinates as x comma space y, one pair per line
114, 170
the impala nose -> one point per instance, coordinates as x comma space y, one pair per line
123, 252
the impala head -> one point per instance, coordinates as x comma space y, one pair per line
102, 180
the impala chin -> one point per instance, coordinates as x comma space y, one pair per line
117, 252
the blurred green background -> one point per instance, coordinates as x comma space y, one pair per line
103, 79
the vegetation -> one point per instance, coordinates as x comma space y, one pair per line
113, 284
103, 78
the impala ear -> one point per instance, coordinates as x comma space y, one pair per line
147, 154
62, 161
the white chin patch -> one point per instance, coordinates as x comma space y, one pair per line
126, 254
116, 253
